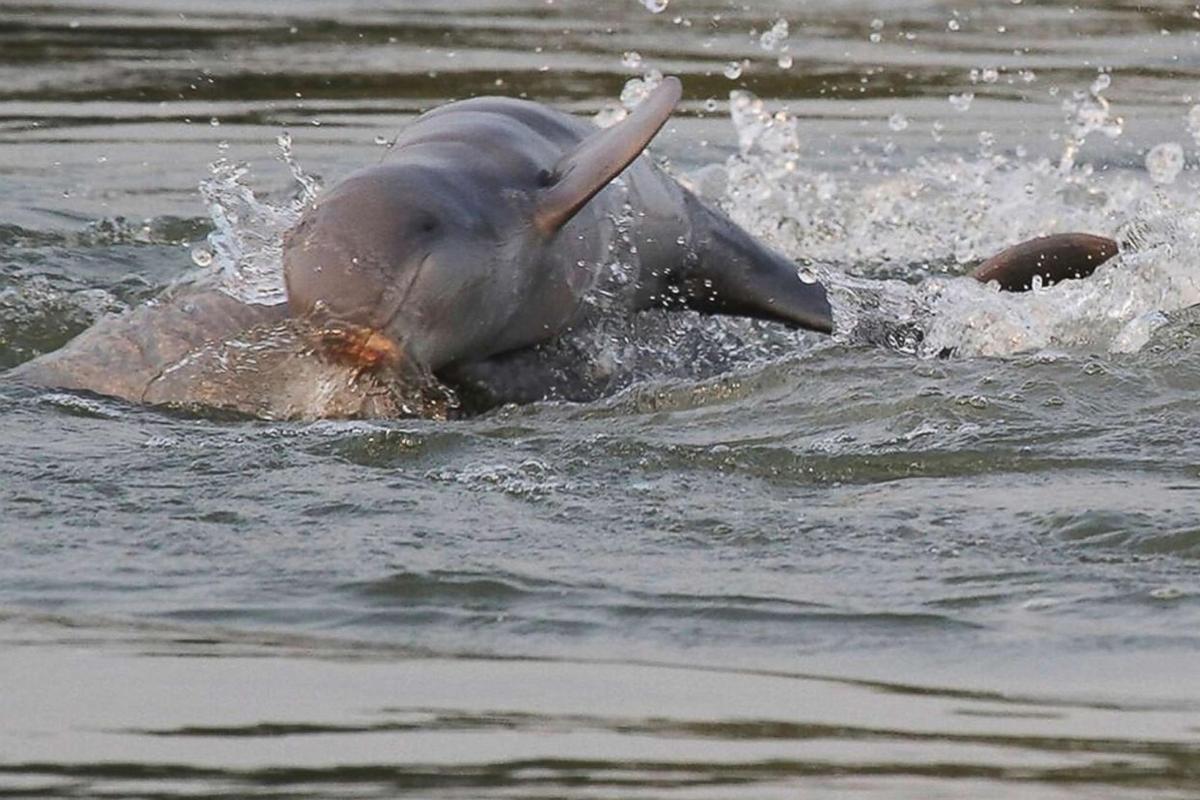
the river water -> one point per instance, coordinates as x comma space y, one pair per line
955, 564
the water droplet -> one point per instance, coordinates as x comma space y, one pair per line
202, 256
381, 141
989, 75
953, 25
610, 115
1164, 162
216, 123
638, 89
710, 105
632, 59
733, 70
775, 37
785, 61
961, 102
898, 122
656, 6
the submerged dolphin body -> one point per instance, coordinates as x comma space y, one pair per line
480, 239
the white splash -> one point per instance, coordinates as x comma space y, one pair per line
926, 223
246, 243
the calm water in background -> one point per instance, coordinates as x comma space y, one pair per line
844, 570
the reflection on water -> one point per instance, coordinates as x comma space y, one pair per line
769, 565
311, 718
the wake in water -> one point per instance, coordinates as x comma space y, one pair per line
891, 244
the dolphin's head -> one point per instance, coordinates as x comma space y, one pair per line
448, 253
393, 270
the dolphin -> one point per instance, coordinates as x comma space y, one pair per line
440, 272
492, 221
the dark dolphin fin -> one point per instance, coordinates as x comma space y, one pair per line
728, 271
599, 158
1051, 258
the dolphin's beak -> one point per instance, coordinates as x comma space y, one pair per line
814, 312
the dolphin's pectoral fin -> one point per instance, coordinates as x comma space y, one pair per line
1049, 258
599, 158
727, 271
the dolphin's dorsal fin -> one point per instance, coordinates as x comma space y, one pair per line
599, 158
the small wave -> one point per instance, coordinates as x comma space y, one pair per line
40, 313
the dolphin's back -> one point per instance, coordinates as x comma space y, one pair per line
511, 142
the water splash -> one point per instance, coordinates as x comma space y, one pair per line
245, 246
1087, 113
890, 243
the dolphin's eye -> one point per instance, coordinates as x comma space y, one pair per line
427, 223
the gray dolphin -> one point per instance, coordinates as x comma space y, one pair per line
445, 267
492, 221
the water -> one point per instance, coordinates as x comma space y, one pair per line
772, 565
